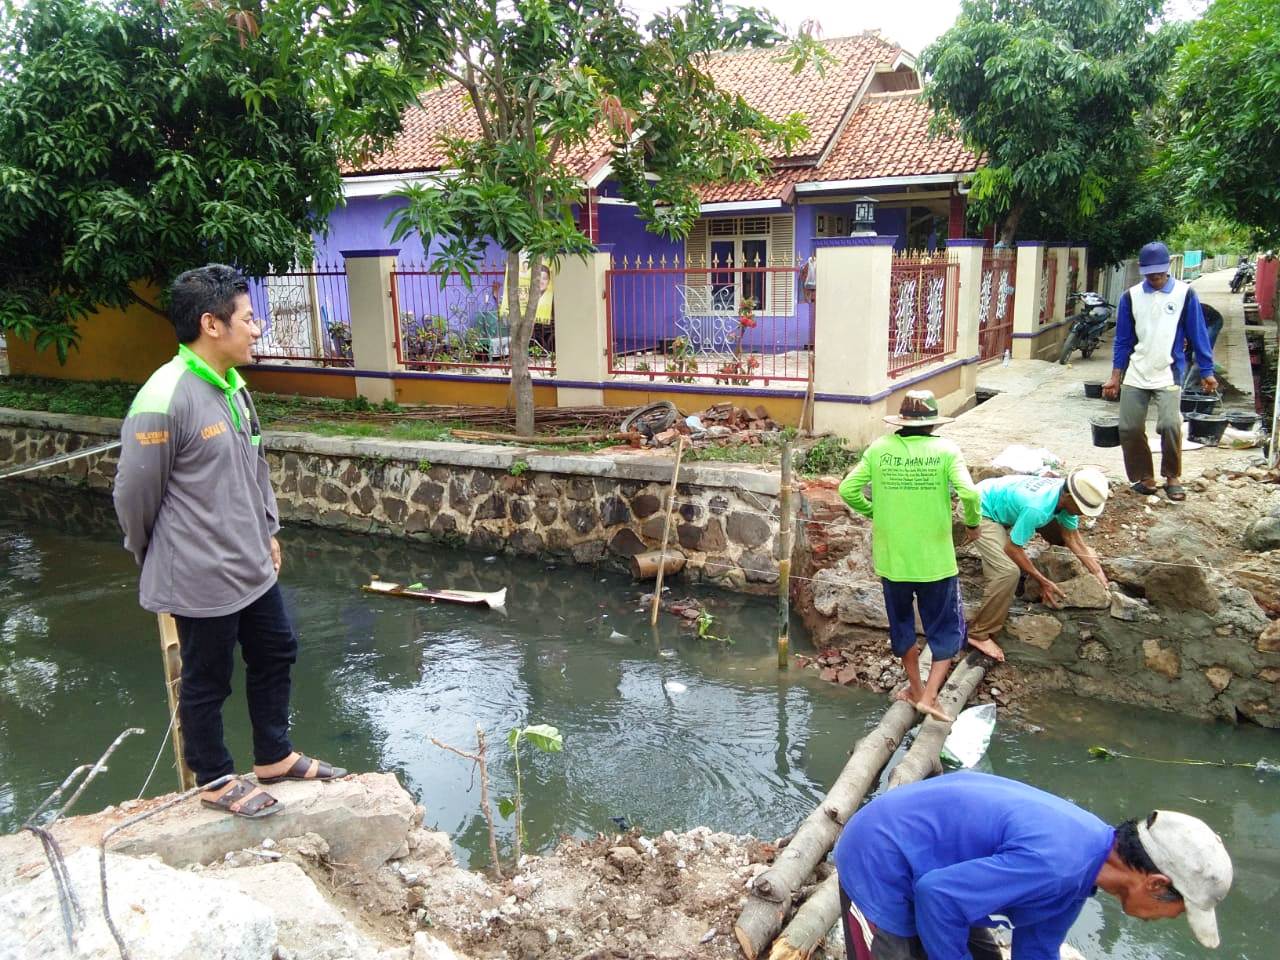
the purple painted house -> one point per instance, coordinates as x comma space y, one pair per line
733, 288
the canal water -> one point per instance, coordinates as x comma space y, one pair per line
662, 732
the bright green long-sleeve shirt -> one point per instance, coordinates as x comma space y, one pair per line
911, 481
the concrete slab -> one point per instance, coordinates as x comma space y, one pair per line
1042, 404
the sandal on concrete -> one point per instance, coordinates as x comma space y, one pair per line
305, 768
1175, 491
246, 800
1143, 490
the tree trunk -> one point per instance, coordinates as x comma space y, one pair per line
1009, 229
922, 759
520, 324
817, 914
773, 891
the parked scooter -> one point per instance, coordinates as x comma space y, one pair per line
1088, 326
1244, 275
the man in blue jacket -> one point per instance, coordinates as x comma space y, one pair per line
1154, 320
925, 868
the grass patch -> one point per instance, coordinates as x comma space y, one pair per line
736, 453
408, 430
828, 457
106, 399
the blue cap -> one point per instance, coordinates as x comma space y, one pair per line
1153, 258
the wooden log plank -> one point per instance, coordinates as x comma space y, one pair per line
818, 913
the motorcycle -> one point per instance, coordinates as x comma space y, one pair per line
1088, 326
1244, 275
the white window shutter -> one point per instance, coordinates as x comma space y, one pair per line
782, 253
695, 255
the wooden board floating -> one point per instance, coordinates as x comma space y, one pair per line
471, 598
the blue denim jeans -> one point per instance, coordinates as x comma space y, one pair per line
269, 649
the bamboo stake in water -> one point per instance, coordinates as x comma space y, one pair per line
784, 564
666, 533
171, 654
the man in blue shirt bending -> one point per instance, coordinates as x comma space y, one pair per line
924, 869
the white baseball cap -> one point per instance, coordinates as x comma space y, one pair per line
1188, 852
1088, 488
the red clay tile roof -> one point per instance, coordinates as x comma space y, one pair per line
769, 86
887, 136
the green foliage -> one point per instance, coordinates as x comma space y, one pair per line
93, 399
144, 137
1048, 91
828, 457
542, 737
1224, 138
1213, 234
705, 623
518, 468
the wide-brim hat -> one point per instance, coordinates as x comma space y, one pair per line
1089, 488
919, 409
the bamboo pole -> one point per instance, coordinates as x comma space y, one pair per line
818, 913
666, 533
785, 526
171, 654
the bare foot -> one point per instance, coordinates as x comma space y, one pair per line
988, 646
908, 695
212, 795
933, 710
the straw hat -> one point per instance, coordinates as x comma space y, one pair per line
919, 409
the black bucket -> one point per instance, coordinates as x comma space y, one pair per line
1106, 431
1093, 389
1199, 402
1206, 428
1245, 420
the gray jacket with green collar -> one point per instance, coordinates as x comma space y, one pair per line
193, 491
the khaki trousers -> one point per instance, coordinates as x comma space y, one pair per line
1134, 402
1001, 575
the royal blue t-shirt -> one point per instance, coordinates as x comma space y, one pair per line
1024, 505
933, 859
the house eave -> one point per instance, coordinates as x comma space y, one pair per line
817, 187
736, 206
381, 184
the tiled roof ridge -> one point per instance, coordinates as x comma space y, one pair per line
891, 94
871, 34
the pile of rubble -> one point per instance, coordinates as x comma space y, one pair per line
721, 423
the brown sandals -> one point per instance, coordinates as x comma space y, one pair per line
245, 799
306, 768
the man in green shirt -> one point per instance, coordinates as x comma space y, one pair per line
912, 474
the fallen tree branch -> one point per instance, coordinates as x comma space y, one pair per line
818, 913
544, 440
774, 890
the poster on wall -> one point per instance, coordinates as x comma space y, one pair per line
543, 325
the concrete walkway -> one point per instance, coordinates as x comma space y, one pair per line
1042, 404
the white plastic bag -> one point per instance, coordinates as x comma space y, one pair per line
970, 736
1022, 459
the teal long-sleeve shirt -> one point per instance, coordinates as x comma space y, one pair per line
911, 480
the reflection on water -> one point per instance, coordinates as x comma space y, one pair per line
666, 731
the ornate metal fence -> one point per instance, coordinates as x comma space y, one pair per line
730, 324
445, 321
923, 305
305, 316
995, 303
1048, 283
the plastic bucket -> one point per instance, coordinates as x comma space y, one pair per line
1245, 420
1198, 402
1106, 431
1206, 428
1093, 389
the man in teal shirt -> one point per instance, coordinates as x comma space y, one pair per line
911, 474
1014, 510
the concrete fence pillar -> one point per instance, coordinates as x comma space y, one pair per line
582, 332
373, 320
851, 335
1082, 258
968, 253
1062, 281
1026, 303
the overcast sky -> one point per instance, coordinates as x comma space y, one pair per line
912, 23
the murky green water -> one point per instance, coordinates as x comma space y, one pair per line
667, 733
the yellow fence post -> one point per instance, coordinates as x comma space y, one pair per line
171, 653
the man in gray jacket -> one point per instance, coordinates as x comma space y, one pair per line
193, 495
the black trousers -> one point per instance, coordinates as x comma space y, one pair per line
269, 649
889, 946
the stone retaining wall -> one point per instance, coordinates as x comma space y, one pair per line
592, 509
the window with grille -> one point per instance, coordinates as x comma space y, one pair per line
727, 252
